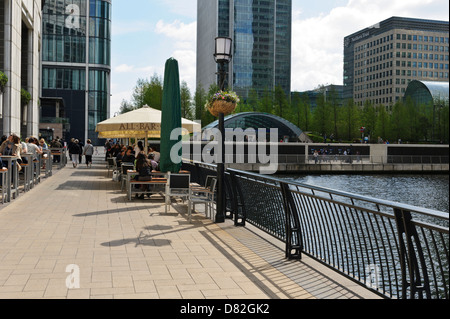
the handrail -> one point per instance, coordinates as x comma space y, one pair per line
394, 249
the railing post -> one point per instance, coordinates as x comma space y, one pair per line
410, 255
294, 243
240, 215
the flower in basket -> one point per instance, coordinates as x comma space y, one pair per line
222, 102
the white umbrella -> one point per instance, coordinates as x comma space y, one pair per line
141, 123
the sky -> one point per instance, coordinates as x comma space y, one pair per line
145, 33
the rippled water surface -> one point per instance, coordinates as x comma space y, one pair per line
429, 191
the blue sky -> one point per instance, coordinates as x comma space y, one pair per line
145, 33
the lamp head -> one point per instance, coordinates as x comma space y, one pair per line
223, 52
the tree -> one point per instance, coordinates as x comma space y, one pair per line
397, 126
305, 109
266, 102
369, 119
185, 96
148, 92
382, 124
350, 120
296, 105
321, 117
125, 107
334, 105
252, 103
199, 102
280, 102
153, 92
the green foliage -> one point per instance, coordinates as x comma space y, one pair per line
25, 97
125, 107
3, 81
186, 105
402, 121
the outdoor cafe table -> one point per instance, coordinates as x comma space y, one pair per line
133, 173
155, 174
12, 173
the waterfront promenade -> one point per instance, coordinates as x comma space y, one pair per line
133, 250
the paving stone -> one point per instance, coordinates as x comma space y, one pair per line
134, 250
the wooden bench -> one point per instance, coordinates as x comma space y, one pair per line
156, 185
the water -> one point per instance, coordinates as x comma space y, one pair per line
428, 191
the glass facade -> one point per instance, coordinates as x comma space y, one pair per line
261, 33
262, 40
76, 60
427, 93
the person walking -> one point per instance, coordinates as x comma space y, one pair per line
88, 152
75, 150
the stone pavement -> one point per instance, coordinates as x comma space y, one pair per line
78, 221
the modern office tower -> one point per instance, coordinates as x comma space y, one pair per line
76, 67
380, 61
261, 33
20, 29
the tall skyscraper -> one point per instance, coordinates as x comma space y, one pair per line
76, 67
20, 36
261, 33
380, 61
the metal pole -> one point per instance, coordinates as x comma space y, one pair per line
220, 207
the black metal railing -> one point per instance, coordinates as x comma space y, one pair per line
396, 250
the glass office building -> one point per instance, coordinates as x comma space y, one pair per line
261, 33
76, 67
380, 61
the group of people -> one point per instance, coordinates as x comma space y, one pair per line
77, 150
144, 162
13, 145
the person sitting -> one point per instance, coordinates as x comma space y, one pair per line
120, 155
144, 168
11, 147
129, 155
34, 148
156, 154
55, 143
154, 163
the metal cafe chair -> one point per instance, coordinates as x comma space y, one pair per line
205, 196
123, 176
111, 164
208, 181
178, 185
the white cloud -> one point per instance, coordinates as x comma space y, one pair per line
183, 47
124, 68
179, 31
187, 8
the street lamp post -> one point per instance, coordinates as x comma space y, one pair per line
222, 55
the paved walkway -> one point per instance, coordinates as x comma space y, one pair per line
79, 220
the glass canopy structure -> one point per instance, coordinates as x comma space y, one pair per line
256, 120
423, 92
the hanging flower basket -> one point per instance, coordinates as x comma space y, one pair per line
222, 102
217, 107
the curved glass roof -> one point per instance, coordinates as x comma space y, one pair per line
425, 92
256, 120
